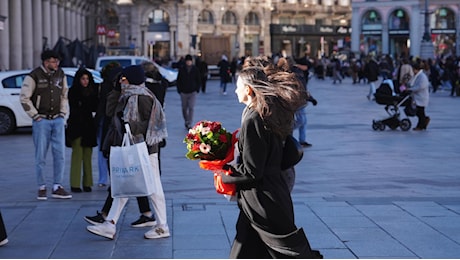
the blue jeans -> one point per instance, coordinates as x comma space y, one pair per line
101, 160
223, 85
301, 123
44, 133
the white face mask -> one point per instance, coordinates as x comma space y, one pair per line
124, 85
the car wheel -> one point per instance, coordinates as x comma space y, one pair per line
7, 121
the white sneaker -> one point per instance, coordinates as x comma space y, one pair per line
157, 232
4, 242
106, 229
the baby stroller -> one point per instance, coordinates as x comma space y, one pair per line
385, 95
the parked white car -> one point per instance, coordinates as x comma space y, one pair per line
169, 74
12, 115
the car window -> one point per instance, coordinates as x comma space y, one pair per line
69, 80
14, 81
123, 62
139, 61
17, 80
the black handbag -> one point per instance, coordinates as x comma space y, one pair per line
114, 136
292, 153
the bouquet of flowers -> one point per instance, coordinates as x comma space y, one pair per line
214, 146
207, 141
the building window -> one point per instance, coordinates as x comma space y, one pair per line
252, 19
158, 16
299, 20
399, 20
443, 18
372, 21
229, 18
285, 20
205, 17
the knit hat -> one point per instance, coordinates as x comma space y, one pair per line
188, 57
134, 74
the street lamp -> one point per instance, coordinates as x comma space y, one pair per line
426, 48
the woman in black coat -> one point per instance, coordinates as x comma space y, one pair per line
81, 129
265, 226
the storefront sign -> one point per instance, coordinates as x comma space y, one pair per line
111, 33
308, 29
326, 29
443, 31
398, 32
288, 29
372, 32
101, 29
343, 30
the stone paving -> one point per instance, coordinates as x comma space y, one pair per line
359, 193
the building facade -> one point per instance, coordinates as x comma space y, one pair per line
166, 29
396, 27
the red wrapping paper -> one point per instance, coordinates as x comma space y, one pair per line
216, 167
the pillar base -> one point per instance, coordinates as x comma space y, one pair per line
426, 50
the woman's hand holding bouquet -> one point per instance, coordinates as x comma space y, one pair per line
210, 143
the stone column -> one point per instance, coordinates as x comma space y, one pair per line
54, 24
240, 37
78, 24
37, 32
4, 38
68, 31
15, 19
27, 35
61, 21
415, 32
46, 22
356, 31
74, 26
385, 37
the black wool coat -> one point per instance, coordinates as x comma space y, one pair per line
265, 226
81, 122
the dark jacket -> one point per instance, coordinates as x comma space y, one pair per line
115, 108
188, 79
82, 104
157, 84
203, 68
44, 94
266, 210
224, 71
371, 70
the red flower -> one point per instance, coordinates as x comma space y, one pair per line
223, 138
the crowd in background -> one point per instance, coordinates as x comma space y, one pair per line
443, 72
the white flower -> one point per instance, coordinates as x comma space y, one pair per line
205, 148
205, 130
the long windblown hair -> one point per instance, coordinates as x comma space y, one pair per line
277, 95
